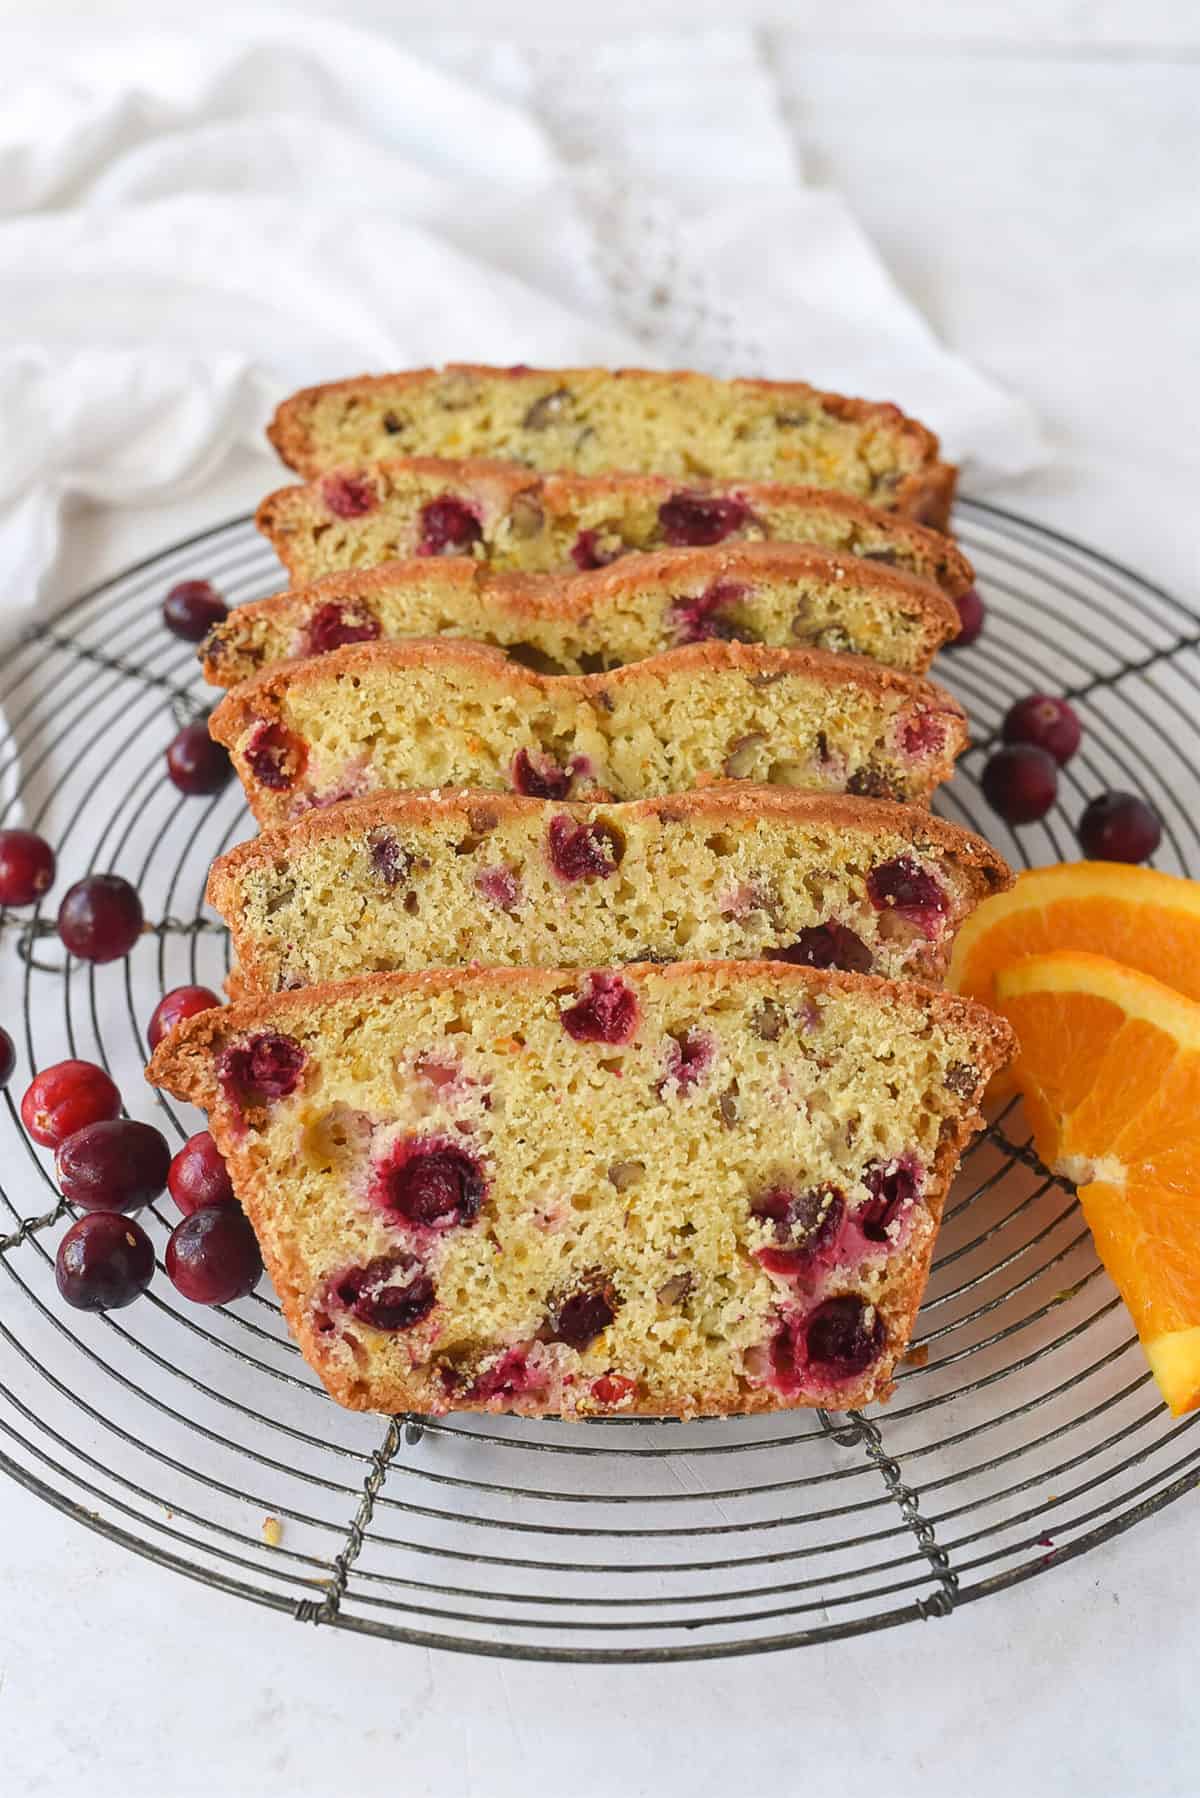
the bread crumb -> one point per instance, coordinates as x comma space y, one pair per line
918, 1355
272, 1532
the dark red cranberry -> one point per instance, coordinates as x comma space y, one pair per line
192, 608
688, 1059
196, 764
104, 1262
348, 495
702, 518
1048, 723
607, 1011
508, 1377
904, 887
26, 867
807, 1222
392, 1292
540, 777
263, 1068
212, 1256
118, 1164
586, 552
894, 1186
100, 918
275, 756
582, 851
923, 734
1020, 782
612, 1389
448, 527
844, 1336
333, 624
971, 615
64, 1098
8, 1057
1119, 827
706, 618
389, 860
198, 1176
432, 1182
180, 1003
500, 887
581, 1316
827, 946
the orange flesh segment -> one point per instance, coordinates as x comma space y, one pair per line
1110, 1067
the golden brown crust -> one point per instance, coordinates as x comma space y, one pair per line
354, 817
925, 493
183, 1063
561, 495
585, 600
264, 692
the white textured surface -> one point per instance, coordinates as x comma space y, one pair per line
1040, 209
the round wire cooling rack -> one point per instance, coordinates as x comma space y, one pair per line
1025, 1428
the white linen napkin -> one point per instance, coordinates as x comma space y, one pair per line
194, 223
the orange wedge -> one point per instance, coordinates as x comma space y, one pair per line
1109, 1066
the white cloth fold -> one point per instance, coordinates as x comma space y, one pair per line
191, 224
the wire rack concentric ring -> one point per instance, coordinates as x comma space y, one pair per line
1025, 1429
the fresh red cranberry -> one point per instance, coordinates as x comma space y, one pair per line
582, 851
26, 867
844, 1336
1020, 782
8, 1057
689, 1058
432, 1182
64, 1098
263, 1068
275, 756
702, 518
706, 617
348, 495
192, 608
1048, 723
923, 734
971, 615
500, 887
198, 1176
904, 887
448, 527
827, 946
100, 918
586, 552
581, 1316
212, 1256
180, 1003
606, 1012
196, 764
807, 1223
392, 1292
894, 1186
389, 860
104, 1262
115, 1165
1119, 827
539, 777
333, 624
612, 1389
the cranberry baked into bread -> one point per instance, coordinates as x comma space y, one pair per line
778, 593
398, 882
446, 713
595, 419
687, 1191
514, 520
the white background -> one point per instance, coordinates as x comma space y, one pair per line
1029, 172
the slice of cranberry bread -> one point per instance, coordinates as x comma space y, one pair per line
517, 521
777, 593
447, 713
399, 882
685, 1191
595, 419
